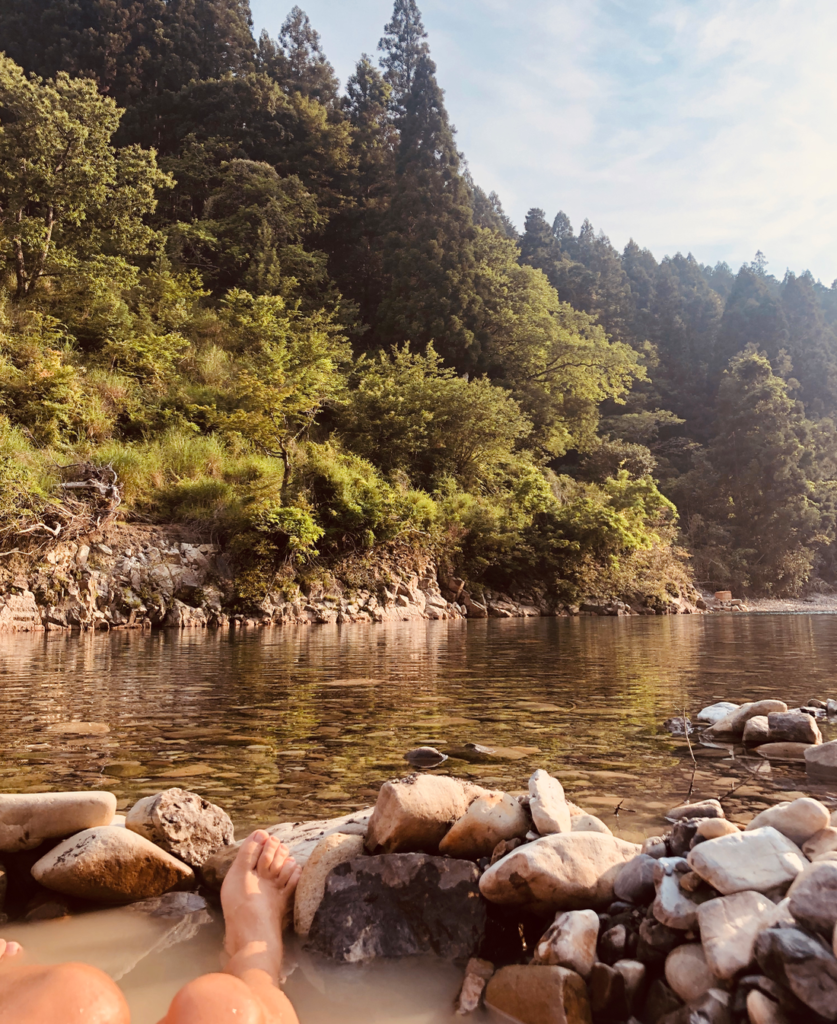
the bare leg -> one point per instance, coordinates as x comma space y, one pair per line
59, 994
255, 897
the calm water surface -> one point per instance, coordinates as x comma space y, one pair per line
284, 725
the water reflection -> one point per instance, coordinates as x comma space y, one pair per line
293, 723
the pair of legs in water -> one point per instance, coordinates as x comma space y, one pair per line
255, 898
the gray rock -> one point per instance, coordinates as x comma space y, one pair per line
809, 969
702, 809
613, 945
672, 907
109, 864
656, 941
400, 905
635, 881
182, 823
682, 835
425, 757
756, 731
813, 897
28, 819
661, 1001
792, 727
821, 760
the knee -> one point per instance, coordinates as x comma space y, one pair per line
215, 997
91, 991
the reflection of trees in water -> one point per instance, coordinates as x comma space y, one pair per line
304, 718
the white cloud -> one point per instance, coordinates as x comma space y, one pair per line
686, 124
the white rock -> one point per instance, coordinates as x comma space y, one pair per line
733, 724
761, 860
728, 929
413, 814
589, 823
714, 828
687, 972
328, 853
822, 759
672, 906
548, 805
716, 712
27, 819
757, 730
571, 871
702, 809
570, 941
797, 819
489, 819
824, 841
111, 865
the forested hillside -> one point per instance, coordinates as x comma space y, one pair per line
285, 309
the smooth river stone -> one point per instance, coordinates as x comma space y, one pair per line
821, 760
27, 819
635, 881
813, 897
760, 860
808, 968
589, 823
792, 727
301, 839
703, 809
182, 823
688, 973
824, 841
548, 805
756, 731
412, 815
733, 724
570, 941
729, 926
716, 712
784, 751
535, 994
489, 820
328, 853
570, 871
797, 819
111, 865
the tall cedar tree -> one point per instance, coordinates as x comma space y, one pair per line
403, 46
297, 61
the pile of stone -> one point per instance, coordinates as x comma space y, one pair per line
554, 919
774, 731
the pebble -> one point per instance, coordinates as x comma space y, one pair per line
477, 974
797, 819
570, 941
760, 859
762, 1010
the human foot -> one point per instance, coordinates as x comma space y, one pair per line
255, 898
8, 951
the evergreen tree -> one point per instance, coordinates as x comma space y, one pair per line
404, 47
753, 316
297, 61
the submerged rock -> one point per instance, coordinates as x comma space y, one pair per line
414, 814
762, 859
570, 871
570, 941
784, 751
328, 853
399, 905
28, 819
489, 820
425, 757
182, 823
111, 865
539, 995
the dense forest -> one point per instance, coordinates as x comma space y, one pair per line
288, 312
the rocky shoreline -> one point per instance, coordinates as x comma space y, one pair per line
152, 577
553, 919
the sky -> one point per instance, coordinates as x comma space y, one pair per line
702, 126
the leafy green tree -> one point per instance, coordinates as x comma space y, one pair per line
66, 194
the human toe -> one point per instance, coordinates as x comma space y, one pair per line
251, 849
9, 949
269, 855
286, 873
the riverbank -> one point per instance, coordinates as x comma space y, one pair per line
147, 577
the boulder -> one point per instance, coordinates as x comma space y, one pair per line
688, 973
28, 819
821, 761
300, 837
109, 864
733, 724
717, 712
548, 805
797, 819
589, 823
328, 853
401, 904
635, 881
477, 973
673, 907
539, 995
571, 871
728, 929
714, 828
824, 841
413, 815
489, 820
808, 969
570, 941
181, 823
792, 727
702, 809
761, 860
813, 897
756, 731
783, 751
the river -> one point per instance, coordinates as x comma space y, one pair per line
299, 723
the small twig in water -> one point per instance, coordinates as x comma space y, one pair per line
691, 753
